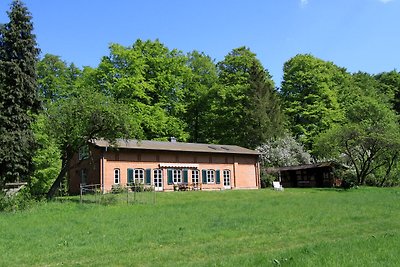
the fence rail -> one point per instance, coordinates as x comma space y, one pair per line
129, 193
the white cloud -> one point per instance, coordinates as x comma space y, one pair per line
305, 2
382, 1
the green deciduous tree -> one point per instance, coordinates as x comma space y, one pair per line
76, 111
197, 95
310, 92
84, 116
18, 94
389, 82
55, 78
150, 79
369, 138
364, 84
56, 81
46, 161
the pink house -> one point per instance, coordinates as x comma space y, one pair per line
164, 165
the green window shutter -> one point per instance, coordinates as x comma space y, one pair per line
185, 176
169, 174
218, 177
130, 176
148, 176
204, 175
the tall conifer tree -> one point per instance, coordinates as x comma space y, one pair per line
18, 94
246, 110
264, 118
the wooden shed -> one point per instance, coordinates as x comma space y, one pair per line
309, 175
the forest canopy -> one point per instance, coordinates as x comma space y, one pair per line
148, 91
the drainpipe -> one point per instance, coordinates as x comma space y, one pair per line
234, 172
258, 172
102, 171
258, 175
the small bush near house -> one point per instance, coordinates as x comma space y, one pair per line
148, 189
348, 178
117, 189
267, 179
20, 201
138, 187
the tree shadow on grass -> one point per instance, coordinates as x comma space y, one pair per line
335, 189
100, 199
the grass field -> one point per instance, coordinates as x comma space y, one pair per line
297, 227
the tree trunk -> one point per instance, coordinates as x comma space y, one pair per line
56, 185
389, 169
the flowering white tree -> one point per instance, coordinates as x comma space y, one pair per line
284, 151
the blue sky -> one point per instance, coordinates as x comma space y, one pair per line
356, 34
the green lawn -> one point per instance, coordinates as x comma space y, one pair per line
297, 227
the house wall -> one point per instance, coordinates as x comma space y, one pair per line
244, 169
92, 167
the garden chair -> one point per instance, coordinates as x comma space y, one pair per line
277, 186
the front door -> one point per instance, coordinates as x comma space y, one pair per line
157, 180
227, 179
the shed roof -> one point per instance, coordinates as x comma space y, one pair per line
306, 166
175, 146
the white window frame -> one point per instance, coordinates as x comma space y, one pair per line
138, 176
195, 176
117, 176
226, 175
157, 174
210, 174
176, 176
83, 152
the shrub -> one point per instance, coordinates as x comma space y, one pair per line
20, 201
349, 179
148, 189
108, 199
267, 179
137, 187
117, 189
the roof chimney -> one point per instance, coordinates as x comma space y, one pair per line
172, 139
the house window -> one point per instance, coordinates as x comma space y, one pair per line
157, 178
83, 153
210, 176
116, 176
227, 177
83, 175
177, 176
195, 176
138, 176
157, 173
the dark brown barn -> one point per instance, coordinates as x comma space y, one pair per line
309, 175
